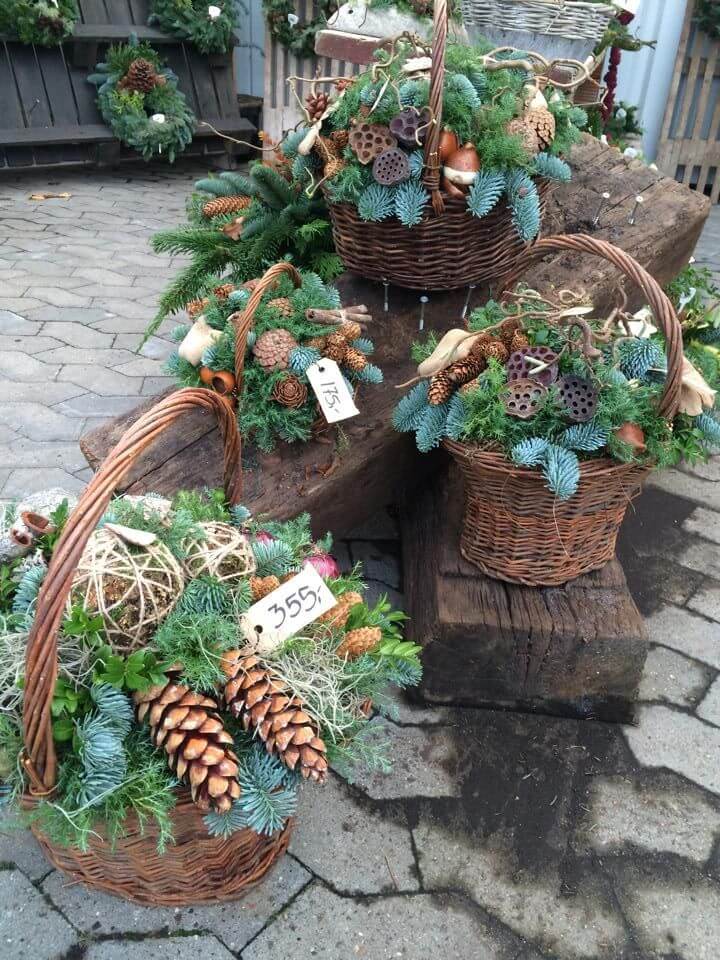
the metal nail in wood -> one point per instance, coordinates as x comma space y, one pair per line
603, 201
423, 301
466, 305
639, 201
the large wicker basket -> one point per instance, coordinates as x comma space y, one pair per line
514, 528
197, 868
450, 248
552, 28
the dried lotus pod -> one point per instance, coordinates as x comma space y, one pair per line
391, 167
519, 367
410, 126
579, 397
522, 397
369, 140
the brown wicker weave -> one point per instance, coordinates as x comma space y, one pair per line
197, 868
514, 528
450, 247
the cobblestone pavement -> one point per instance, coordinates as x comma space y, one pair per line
498, 836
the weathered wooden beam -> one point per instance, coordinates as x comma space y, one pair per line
342, 488
576, 650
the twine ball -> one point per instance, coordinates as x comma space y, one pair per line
223, 552
132, 588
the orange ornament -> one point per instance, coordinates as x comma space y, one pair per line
462, 166
223, 382
449, 144
632, 435
206, 375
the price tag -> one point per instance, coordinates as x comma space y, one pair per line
285, 611
335, 399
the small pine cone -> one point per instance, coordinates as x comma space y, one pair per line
187, 726
354, 360
196, 307
221, 206
470, 386
336, 346
272, 349
317, 104
507, 330
461, 371
496, 350
261, 701
224, 290
340, 138
441, 389
519, 127
290, 392
360, 641
262, 586
342, 83
338, 615
478, 344
542, 122
519, 342
282, 305
317, 343
350, 330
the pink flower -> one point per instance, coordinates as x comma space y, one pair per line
325, 564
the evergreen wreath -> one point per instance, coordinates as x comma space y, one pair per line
708, 15
208, 26
45, 23
115, 762
140, 101
297, 37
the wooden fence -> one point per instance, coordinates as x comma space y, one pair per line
690, 142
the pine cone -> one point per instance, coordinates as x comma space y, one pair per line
249, 285
262, 586
338, 615
196, 307
354, 360
336, 347
317, 343
272, 349
521, 128
542, 122
265, 705
342, 83
519, 342
141, 77
340, 138
360, 641
441, 389
496, 350
188, 728
282, 305
317, 104
350, 330
290, 392
221, 206
224, 290
507, 330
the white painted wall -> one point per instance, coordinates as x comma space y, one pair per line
645, 77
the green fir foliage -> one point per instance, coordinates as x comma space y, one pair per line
198, 641
189, 20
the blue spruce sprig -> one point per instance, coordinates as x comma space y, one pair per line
364, 346
291, 143
710, 428
27, 590
530, 453
639, 356
239, 515
275, 557
562, 471
376, 202
370, 374
416, 161
179, 332
586, 437
268, 798
205, 595
458, 83
303, 357
524, 203
432, 427
552, 168
455, 422
410, 408
485, 192
410, 201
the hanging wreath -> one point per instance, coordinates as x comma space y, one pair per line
208, 26
285, 26
139, 100
708, 14
42, 22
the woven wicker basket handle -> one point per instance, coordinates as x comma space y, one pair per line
242, 321
662, 309
41, 658
431, 176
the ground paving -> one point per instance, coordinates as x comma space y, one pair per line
498, 836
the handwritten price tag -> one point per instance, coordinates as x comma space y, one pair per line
285, 611
335, 399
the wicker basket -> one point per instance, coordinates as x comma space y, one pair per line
514, 528
197, 868
450, 248
552, 28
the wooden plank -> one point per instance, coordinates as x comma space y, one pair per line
88, 133
33, 96
57, 83
119, 33
11, 114
140, 11
93, 11
576, 650
118, 11
202, 81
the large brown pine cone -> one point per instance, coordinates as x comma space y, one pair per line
272, 349
519, 127
354, 360
317, 104
543, 123
337, 616
441, 389
141, 76
360, 641
263, 704
187, 726
221, 206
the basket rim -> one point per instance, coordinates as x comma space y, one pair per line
552, 4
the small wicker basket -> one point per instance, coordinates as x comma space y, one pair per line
554, 28
197, 868
514, 528
450, 248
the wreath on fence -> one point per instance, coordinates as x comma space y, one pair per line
139, 100
209, 27
708, 14
285, 26
42, 22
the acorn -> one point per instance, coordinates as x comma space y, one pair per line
632, 435
462, 166
223, 382
449, 144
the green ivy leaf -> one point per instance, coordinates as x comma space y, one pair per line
63, 729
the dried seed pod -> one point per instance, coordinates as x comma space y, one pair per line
410, 126
579, 397
518, 366
391, 167
522, 397
369, 140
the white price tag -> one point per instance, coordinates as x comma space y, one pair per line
285, 611
335, 399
